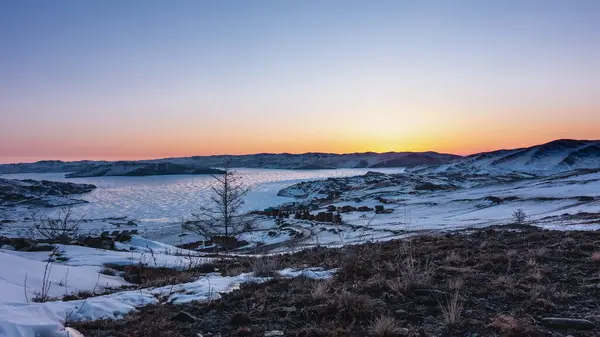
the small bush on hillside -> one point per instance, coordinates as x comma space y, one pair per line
520, 216
63, 227
385, 327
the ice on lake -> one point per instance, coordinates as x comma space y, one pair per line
171, 198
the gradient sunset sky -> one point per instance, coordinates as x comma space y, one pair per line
118, 79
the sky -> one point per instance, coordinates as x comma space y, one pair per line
120, 79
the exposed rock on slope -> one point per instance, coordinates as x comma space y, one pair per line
334, 187
414, 159
40, 193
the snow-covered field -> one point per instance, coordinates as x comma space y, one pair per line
564, 202
25, 275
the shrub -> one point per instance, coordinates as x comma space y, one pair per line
63, 227
520, 216
451, 308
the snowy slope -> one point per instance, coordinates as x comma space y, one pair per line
22, 273
553, 157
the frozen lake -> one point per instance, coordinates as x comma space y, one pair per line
168, 199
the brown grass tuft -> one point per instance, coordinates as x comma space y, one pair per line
509, 325
320, 290
539, 252
453, 257
456, 283
397, 286
265, 266
348, 300
451, 308
385, 326
511, 253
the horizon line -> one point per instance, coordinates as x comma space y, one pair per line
287, 153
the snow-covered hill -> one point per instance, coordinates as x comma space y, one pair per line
128, 168
553, 157
189, 165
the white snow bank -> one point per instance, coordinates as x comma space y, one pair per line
313, 273
139, 243
89, 256
48, 319
85, 256
61, 279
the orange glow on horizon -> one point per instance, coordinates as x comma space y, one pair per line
431, 130
459, 146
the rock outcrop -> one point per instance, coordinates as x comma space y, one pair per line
130, 168
42, 193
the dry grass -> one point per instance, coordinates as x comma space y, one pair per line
397, 286
536, 274
264, 267
456, 283
511, 253
235, 271
539, 252
385, 326
453, 257
509, 325
358, 302
414, 272
451, 308
146, 276
479, 295
505, 281
108, 271
320, 289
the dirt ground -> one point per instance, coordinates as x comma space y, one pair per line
499, 281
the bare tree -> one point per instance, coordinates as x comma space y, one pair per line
224, 216
2, 218
61, 227
520, 216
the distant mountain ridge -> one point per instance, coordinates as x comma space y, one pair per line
187, 165
552, 157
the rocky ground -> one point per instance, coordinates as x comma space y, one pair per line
15, 193
498, 281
